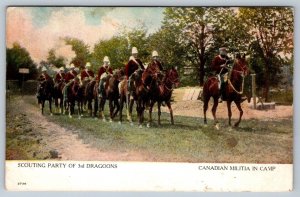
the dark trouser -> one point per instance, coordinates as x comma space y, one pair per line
66, 90
101, 87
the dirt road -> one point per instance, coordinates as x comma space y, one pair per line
54, 138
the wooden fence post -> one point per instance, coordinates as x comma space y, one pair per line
253, 76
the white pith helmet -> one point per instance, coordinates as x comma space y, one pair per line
72, 66
134, 50
44, 69
106, 59
154, 54
88, 64
76, 69
61, 69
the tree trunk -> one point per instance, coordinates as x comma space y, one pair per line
267, 80
201, 73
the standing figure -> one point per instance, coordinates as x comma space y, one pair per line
103, 72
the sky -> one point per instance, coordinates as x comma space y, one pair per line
40, 29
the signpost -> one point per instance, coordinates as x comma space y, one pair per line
23, 71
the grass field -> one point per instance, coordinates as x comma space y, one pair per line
255, 141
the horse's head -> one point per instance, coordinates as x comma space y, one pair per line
240, 65
172, 76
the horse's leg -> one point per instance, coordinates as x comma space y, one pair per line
229, 112
111, 109
42, 106
61, 103
150, 113
79, 109
238, 104
96, 106
117, 107
139, 112
171, 111
89, 103
50, 106
159, 112
131, 102
121, 108
56, 104
205, 107
214, 109
101, 109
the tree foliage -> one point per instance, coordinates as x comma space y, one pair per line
81, 50
18, 57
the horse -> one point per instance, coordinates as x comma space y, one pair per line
233, 90
45, 92
75, 94
162, 92
58, 95
111, 93
91, 94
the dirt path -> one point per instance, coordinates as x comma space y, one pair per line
54, 138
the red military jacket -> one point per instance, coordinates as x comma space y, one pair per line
44, 77
217, 62
59, 76
86, 73
70, 75
155, 65
132, 66
102, 70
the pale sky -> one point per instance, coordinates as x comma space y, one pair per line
39, 29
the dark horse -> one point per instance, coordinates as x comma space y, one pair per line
45, 92
58, 95
91, 94
234, 90
162, 92
111, 93
75, 94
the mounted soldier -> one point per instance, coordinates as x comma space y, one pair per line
87, 74
219, 67
60, 76
103, 72
155, 66
44, 76
134, 64
69, 78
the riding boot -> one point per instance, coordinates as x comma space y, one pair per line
223, 93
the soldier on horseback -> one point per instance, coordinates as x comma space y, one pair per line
156, 66
219, 66
69, 78
60, 76
134, 64
87, 74
103, 72
43, 77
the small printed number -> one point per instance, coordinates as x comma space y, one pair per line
21, 183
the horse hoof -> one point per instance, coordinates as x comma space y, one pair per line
79, 117
110, 120
119, 122
51, 114
131, 124
70, 116
236, 125
205, 125
103, 120
141, 126
148, 125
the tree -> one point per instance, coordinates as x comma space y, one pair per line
18, 57
81, 50
272, 30
115, 48
56, 61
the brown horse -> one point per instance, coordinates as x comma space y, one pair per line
45, 92
91, 94
58, 95
75, 94
111, 93
234, 90
162, 92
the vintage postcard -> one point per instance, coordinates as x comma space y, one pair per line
149, 98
